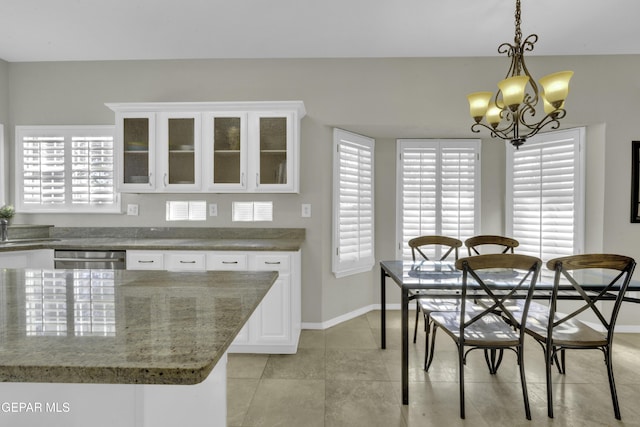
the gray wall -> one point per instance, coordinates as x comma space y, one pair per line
4, 119
381, 98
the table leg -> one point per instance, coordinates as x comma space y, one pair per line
383, 308
405, 346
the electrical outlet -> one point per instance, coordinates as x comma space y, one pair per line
306, 210
213, 209
132, 209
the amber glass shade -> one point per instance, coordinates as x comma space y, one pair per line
549, 107
493, 115
513, 90
556, 87
478, 104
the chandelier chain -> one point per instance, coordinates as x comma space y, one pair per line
518, 36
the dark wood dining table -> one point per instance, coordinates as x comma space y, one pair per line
441, 278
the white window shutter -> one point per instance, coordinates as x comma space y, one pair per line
438, 190
65, 169
43, 170
545, 202
353, 223
92, 170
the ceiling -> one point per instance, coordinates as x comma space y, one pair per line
64, 30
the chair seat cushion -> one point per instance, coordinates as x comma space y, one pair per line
490, 330
572, 333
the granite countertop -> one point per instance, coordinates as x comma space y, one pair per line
118, 326
154, 238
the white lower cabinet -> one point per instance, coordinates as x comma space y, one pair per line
145, 260
38, 258
274, 327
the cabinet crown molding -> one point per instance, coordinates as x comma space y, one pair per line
240, 106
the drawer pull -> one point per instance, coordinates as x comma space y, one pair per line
229, 262
187, 262
272, 262
142, 261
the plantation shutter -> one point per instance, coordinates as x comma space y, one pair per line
353, 225
92, 170
43, 170
438, 190
545, 195
66, 169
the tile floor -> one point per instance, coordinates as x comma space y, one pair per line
341, 377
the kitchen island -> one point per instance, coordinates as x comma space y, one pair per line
116, 347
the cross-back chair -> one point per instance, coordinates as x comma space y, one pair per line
482, 328
557, 332
500, 244
484, 244
449, 247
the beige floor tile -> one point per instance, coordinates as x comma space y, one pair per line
356, 364
362, 403
312, 339
246, 365
436, 404
287, 403
343, 337
239, 396
307, 363
361, 383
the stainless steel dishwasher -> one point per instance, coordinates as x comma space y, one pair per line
72, 258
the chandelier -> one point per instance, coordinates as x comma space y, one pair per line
510, 114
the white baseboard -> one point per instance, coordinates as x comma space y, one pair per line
625, 329
348, 316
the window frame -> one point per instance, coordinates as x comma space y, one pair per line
439, 146
365, 259
4, 169
549, 139
67, 132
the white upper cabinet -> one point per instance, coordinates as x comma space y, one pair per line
209, 147
135, 151
272, 155
179, 159
225, 152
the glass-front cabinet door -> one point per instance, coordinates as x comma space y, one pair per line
274, 151
217, 147
226, 151
179, 158
136, 135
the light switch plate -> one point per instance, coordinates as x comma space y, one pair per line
132, 210
306, 210
213, 209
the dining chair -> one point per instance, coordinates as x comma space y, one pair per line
490, 243
557, 332
497, 279
424, 303
495, 243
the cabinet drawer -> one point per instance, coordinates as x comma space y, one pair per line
185, 261
145, 260
226, 262
272, 263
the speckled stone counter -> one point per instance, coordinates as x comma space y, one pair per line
155, 238
121, 327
